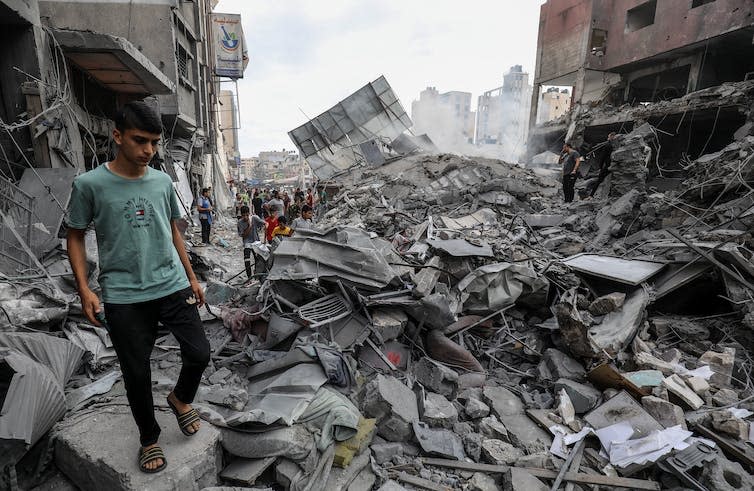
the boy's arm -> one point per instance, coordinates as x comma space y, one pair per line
77, 256
178, 244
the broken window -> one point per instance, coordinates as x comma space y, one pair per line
641, 16
699, 3
184, 62
598, 43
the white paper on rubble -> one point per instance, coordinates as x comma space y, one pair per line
704, 372
617, 433
650, 448
739, 413
577, 437
558, 447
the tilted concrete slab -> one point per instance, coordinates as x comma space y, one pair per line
98, 450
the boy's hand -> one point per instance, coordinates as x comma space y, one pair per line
90, 306
198, 293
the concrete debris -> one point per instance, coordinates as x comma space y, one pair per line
438, 305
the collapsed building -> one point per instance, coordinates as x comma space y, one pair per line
450, 323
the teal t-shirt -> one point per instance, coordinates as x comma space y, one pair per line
138, 261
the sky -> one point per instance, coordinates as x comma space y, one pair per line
307, 55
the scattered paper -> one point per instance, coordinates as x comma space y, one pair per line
650, 448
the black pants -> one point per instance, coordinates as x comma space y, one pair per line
569, 182
205, 230
603, 174
133, 331
247, 261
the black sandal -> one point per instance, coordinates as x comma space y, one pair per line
186, 419
146, 456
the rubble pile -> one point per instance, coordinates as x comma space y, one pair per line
449, 324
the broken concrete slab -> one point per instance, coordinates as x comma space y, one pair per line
389, 323
393, 405
294, 442
725, 397
678, 388
438, 411
384, 452
245, 472
721, 364
666, 413
440, 442
476, 409
607, 303
87, 454
623, 408
561, 365
698, 385
522, 431
519, 479
499, 452
436, 377
482, 482
584, 397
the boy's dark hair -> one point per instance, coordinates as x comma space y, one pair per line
283, 221
306, 208
137, 115
204, 190
244, 209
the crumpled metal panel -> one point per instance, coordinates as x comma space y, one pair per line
498, 285
306, 258
59, 355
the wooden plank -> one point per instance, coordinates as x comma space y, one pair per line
421, 483
616, 482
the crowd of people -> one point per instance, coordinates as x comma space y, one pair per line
265, 216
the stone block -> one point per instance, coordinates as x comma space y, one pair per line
698, 385
725, 397
98, 450
561, 365
584, 397
679, 389
492, 428
499, 452
518, 480
219, 376
721, 364
294, 442
472, 443
722, 474
443, 443
725, 422
666, 413
245, 472
393, 405
522, 431
476, 409
438, 411
389, 323
482, 482
436, 377
384, 452
607, 303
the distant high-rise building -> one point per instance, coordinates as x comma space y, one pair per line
503, 115
446, 118
553, 103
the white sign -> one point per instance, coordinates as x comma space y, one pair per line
231, 56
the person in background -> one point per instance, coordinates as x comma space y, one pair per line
605, 160
256, 204
204, 207
303, 222
286, 203
238, 204
282, 230
309, 198
294, 210
248, 229
299, 194
272, 221
276, 202
571, 159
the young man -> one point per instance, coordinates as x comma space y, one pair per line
145, 273
204, 207
309, 197
305, 220
238, 204
256, 204
276, 202
294, 210
571, 160
248, 229
605, 160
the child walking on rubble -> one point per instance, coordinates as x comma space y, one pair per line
145, 273
248, 229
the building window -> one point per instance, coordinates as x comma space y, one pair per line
641, 16
184, 60
699, 3
598, 43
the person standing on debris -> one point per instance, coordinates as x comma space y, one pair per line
571, 160
145, 273
248, 229
605, 161
204, 207
309, 198
304, 222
